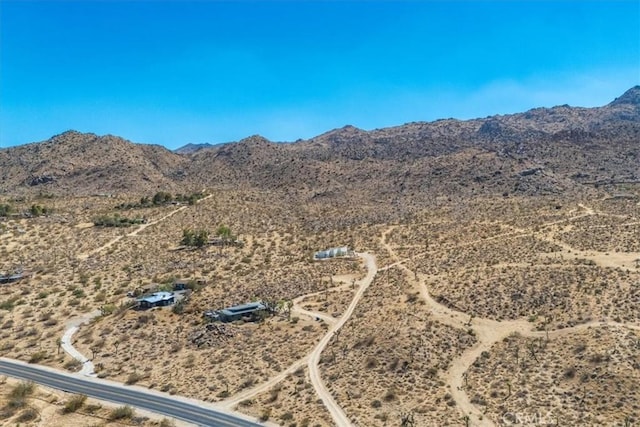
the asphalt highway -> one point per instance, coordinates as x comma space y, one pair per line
165, 405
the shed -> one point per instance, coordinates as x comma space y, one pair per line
180, 285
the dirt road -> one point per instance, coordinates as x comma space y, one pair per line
339, 417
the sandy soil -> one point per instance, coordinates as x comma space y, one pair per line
430, 340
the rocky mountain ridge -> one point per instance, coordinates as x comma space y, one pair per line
541, 151
75, 162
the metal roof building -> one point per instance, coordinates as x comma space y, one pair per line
332, 253
243, 311
157, 299
11, 278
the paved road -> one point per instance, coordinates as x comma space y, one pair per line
152, 401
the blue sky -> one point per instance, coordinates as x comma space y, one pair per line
209, 71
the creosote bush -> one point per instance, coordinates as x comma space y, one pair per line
74, 403
121, 413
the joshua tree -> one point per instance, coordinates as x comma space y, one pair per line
407, 420
224, 233
289, 305
325, 285
532, 350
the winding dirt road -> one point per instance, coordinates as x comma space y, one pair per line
339, 417
140, 228
489, 331
66, 343
313, 358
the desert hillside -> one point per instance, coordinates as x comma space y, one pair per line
77, 163
522, 154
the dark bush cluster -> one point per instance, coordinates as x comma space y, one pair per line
116, 221
162, 198
5, 210
197, 238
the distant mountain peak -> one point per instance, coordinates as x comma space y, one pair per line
348, 129
338, 134
70, 134
255, 139
192, 148
632, 97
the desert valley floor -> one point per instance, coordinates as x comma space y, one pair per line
489, 311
